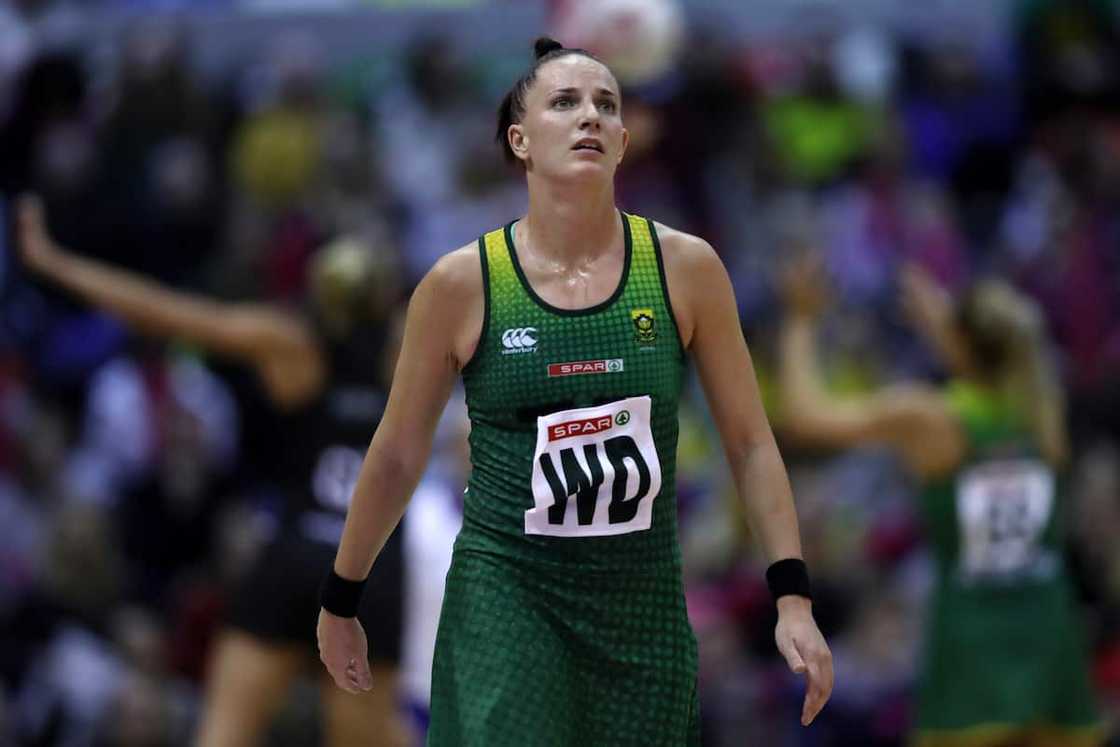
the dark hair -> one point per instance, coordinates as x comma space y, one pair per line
512, 109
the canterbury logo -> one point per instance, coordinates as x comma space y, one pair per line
519, 340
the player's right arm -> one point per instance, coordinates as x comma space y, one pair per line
442, 329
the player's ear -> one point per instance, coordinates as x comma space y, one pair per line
625, 145
518, 141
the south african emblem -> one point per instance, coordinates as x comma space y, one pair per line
644, 330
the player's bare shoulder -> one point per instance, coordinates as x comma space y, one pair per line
452, 296
685, 255
692, 271
457, 273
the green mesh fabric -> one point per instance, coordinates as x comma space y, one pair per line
558, 640
1004, 644
994, 431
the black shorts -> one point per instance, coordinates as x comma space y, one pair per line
279, 598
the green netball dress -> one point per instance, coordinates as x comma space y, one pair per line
564, 619
1004, 648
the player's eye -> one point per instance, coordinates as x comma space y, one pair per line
608, 105
563, 102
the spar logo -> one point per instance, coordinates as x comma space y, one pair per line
519, 340
580, 368
587, 426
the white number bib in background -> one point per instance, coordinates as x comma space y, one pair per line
336, 473
595, 471
1003, 508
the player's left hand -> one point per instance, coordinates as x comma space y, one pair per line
343, 650
803, 646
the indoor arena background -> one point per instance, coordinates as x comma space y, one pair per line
216, 145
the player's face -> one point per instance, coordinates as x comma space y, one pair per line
573, 120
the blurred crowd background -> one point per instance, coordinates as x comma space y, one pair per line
217, 145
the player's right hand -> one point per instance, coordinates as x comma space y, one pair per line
343, 649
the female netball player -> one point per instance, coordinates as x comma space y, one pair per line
1004, 661
563, 620
321, 373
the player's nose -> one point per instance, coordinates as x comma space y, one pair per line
589, 116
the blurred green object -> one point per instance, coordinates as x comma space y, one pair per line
817, 138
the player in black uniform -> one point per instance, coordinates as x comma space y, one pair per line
325, 373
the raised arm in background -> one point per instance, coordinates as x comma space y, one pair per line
280, 346
935, 316
911, 418
929, 309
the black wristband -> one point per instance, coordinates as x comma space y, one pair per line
340, 596
789, 576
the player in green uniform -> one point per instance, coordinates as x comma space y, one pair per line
564, 620
1004, 662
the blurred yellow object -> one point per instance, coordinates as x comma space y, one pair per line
276, 155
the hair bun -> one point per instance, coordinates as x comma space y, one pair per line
544, 45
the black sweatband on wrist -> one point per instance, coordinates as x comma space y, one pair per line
340, 596
789, 576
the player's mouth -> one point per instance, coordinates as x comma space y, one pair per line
589, 143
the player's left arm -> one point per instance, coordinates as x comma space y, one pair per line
704, 305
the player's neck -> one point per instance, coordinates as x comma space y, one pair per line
571, 222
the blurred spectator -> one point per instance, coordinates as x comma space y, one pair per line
818, 132
1069, 52
437, 156
954, 110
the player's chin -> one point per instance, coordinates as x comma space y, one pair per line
584, 166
